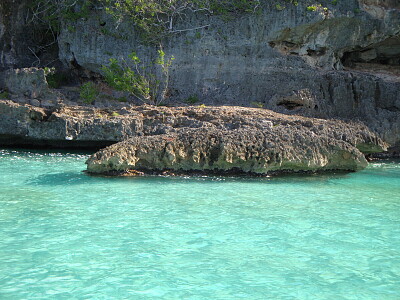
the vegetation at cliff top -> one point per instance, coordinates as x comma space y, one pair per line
154, 18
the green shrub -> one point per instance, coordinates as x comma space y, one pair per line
192, 99
48, 12
55, 79
153, 18
156, 18
122, 99
88, 92
136, 78
257, 104
4, 95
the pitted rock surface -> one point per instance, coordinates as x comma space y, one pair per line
193, 138
242, 140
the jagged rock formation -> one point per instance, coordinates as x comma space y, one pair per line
232, 139
85, 125
13, 41
28, 82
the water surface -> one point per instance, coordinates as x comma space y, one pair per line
66, 235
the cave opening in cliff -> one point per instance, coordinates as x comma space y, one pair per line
383, 56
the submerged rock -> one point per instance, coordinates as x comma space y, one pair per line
263, 143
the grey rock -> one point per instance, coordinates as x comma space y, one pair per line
321, 64
62, 126
22, 100
34, 102
47, 104
24, 40
13, 41
29, 82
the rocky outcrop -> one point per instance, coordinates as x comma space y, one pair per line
239, 151
28, 82
231, 139
239, 140
63, 126
78, 124
379, 8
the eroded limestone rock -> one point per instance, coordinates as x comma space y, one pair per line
257, 141
193, 138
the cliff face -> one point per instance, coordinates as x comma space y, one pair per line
341, 62
11, 26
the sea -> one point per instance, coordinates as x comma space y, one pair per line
67, 235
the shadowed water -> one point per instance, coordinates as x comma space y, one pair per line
66, 235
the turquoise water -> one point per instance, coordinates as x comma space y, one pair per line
66, 235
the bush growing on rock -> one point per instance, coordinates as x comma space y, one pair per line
138, 80
88, 92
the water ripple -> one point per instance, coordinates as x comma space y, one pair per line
66, 235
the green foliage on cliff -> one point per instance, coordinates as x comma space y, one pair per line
146, 82
156, 18
153, 18
4, 95
88, 92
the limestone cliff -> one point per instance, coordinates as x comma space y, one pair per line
342, 61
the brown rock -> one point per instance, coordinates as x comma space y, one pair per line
242, 145
210, 139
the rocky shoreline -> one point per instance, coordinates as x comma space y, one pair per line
193, 138
306, 68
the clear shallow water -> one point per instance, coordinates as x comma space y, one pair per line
65, 235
